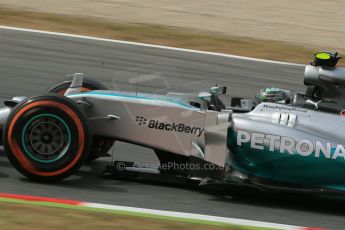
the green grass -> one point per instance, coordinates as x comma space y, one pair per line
43, 215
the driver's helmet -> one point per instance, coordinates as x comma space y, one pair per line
273, 95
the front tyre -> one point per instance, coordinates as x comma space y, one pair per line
46, 138
101, 145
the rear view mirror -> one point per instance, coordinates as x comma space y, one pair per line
204, 96
218, 90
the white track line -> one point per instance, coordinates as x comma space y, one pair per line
149, 45
197, 217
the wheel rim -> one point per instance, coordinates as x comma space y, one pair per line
46, 138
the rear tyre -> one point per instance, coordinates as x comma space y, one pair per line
88, 85
101, 145
46, 138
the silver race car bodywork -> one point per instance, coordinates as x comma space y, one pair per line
162, 123
297, 146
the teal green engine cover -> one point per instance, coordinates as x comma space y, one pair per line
297, 154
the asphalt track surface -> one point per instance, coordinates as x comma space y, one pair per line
30, 63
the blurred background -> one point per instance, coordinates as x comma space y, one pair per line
280, 30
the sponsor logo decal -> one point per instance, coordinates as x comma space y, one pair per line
302, 147
172, 127
285, 108
141, 120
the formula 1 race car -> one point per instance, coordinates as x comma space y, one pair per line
294, 144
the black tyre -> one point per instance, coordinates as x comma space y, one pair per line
46, 138
101, 145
